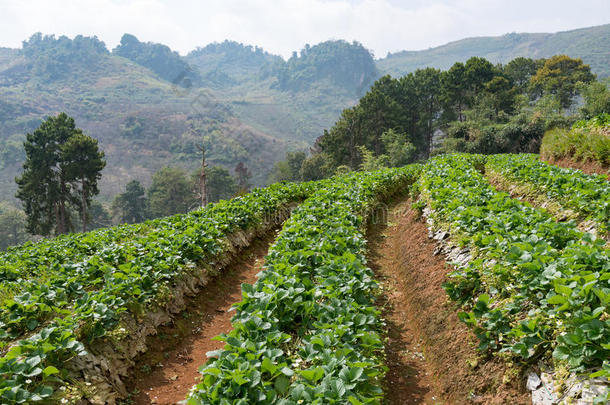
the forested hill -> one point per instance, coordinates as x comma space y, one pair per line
230, 63
591, 44
150, 106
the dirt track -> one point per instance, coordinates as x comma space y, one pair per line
432, 356
165, 374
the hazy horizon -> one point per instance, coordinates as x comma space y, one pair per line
287, 25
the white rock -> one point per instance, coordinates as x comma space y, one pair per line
533, 381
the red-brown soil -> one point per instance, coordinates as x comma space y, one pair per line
422, 320
165, 374
587, 167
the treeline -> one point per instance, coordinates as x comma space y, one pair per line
60, 180
347, 65
174, 191
473, 107
52, 58
160, 59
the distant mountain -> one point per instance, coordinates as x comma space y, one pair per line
160, 59
230, 63
349, 66
142, 120
151, 107
591, 44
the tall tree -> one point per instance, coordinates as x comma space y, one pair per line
170, 193
243, 177
520, 70
427, 92
58, 156
560, 75
220, 185
454, 92
203, 196
82, 162
12, 226
130, 206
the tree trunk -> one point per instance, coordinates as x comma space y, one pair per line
62, 226
84, 204
202, 185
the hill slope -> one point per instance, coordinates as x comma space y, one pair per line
149, 106
143, 122
591, 44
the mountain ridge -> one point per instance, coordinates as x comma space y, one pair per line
503, 48
248, 105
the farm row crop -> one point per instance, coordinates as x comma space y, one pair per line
308, 330
587, 195
534, 285
72, 303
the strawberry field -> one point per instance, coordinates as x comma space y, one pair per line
534, 286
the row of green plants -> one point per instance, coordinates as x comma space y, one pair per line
534, 286
588, 140
33, 262
82, 297
587, 195
308, 330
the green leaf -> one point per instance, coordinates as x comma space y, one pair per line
32, 324
557, 299
50, 370
281, 384
268, 366
312, 375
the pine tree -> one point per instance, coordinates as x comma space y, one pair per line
130, 206
59, 157
82, 162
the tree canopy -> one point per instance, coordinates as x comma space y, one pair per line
60, 172
170, 193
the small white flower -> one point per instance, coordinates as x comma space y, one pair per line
28, 381
64, 400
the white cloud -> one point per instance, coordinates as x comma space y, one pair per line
281, 26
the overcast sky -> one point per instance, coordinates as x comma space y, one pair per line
281, 26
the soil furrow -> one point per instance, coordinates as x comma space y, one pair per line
431, 355
165, 374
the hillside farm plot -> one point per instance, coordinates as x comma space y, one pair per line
566, 193
351, 293
308, 330
83, 317
534, 289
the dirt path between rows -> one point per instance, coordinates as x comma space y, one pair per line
431, 355
166, 373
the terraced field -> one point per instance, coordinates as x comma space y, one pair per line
350, 304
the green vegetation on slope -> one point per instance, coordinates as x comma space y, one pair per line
587, 141
60, 296
591, 44
158, 58
308, 330
474, 107
587, 195
142, 121
534, 286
